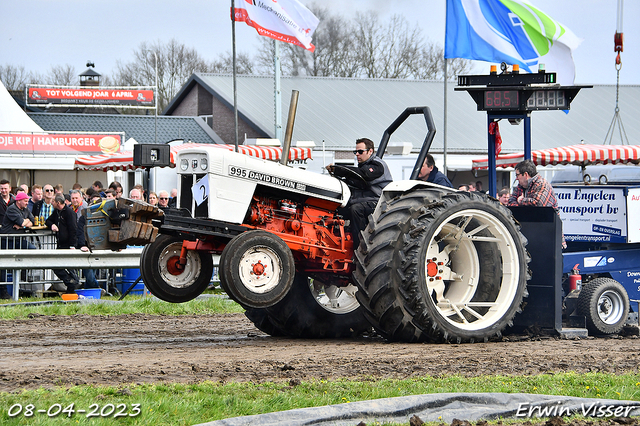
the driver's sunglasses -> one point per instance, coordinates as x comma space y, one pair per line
359, 151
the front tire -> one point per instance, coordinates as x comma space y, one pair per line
441, 267
605, 304
166, 279
257, 269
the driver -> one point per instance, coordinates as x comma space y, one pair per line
365, 192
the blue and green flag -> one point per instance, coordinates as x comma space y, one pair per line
511, 31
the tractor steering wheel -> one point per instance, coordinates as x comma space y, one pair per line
348, 176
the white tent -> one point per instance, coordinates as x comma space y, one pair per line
12, 118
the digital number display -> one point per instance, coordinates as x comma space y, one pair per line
547, 99
501, 99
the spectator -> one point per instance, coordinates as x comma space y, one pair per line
463, 187
117, 187
36, 196
503, 196
89, 274
76, 186
173, 201
532, 189
153, 199
143, 195
64, 221
163, 199
17, 217
25, 188
44, 207
89, 193
472, 187
430, 173
6, 197
77, 202
97, 186
59, 189
110, 194
479, 186
16, 220
67, 199
135, 194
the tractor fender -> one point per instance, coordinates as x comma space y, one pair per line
398, 188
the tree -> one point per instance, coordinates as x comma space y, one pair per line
176, 63
62, 75
224, 64
364, 47
334, 55
14, 77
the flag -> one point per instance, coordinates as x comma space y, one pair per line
511, 31
285, 20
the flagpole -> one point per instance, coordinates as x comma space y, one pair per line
277, 91
444, 130
235, 89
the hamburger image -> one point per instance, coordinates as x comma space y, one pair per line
109, 145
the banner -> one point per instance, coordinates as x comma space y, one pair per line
283, 20
92, 97
68, 143
511, 31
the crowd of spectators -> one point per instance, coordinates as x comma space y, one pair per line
48, 206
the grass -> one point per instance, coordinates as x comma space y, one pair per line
187, 404
130, 305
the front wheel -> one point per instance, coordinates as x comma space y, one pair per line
166, 278
605, 304
257, 269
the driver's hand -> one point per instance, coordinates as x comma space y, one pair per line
330, 168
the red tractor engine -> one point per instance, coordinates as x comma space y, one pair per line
313, 231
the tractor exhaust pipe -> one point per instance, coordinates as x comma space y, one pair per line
293, 106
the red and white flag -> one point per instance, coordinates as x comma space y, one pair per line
284, 20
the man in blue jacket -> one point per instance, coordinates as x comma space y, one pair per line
430, 173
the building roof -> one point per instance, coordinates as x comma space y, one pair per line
340, 110
139, 127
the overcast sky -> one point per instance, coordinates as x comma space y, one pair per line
41, 33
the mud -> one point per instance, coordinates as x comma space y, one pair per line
47, 351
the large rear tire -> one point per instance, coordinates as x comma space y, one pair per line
315, 310
262, 320
166, 278
605, 304
441, 267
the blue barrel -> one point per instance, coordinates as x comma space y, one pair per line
129, 276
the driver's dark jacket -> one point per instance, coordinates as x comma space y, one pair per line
376, 174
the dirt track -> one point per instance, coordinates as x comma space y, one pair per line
48, 351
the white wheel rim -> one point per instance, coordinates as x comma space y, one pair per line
456, 281
610, 307
260, 269
189, 274
337, 300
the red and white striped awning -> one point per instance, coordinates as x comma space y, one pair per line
124, 160
579, 155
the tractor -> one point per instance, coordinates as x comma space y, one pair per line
434, 264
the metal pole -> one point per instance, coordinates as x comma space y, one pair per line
156, 118
289, 132
444, 131
277, 91
235, 89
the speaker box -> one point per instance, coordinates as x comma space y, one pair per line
151, 155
